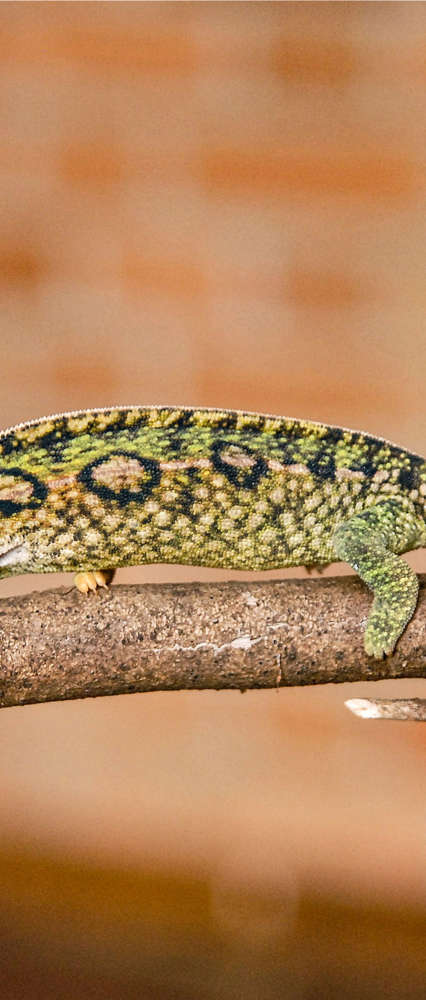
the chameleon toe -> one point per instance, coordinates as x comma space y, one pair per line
92, 580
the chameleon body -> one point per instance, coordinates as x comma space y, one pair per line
124, 486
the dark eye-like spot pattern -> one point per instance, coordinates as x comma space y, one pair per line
335, 435
322, 464
123, 476
369, 468
19, 491
8, 444
408, 477
366, 459
241, 466
184, 420
228, 421
55, 439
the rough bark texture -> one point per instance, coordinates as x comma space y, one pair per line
59, 644
395, 709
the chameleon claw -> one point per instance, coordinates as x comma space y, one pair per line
91, 581
374, 647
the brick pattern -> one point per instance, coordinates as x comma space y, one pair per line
223, 204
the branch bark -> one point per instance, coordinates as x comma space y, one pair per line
58, 644
393, 709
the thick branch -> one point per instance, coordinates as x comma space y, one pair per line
59, 644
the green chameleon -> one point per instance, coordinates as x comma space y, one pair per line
113, 487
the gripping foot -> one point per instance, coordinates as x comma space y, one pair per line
91, 581
368, 542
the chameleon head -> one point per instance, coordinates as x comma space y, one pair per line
18, 500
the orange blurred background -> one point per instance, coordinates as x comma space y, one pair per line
216, 204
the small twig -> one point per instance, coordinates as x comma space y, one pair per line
60, 644
398, 709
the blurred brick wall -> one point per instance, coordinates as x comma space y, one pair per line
221, 204
217, 203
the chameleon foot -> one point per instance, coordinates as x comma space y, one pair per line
91, 581
366, 541
316, 567
385, 624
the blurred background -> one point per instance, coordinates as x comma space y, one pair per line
216, 204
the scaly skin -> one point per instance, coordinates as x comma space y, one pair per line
117, 487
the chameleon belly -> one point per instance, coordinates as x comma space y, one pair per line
116, 487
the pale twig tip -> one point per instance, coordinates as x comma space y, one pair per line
397, 709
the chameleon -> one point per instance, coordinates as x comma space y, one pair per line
88, 490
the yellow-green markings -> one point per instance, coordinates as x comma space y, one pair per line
115, 487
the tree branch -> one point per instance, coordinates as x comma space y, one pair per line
59, 645
395, 709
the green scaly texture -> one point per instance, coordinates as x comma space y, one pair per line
122, 486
